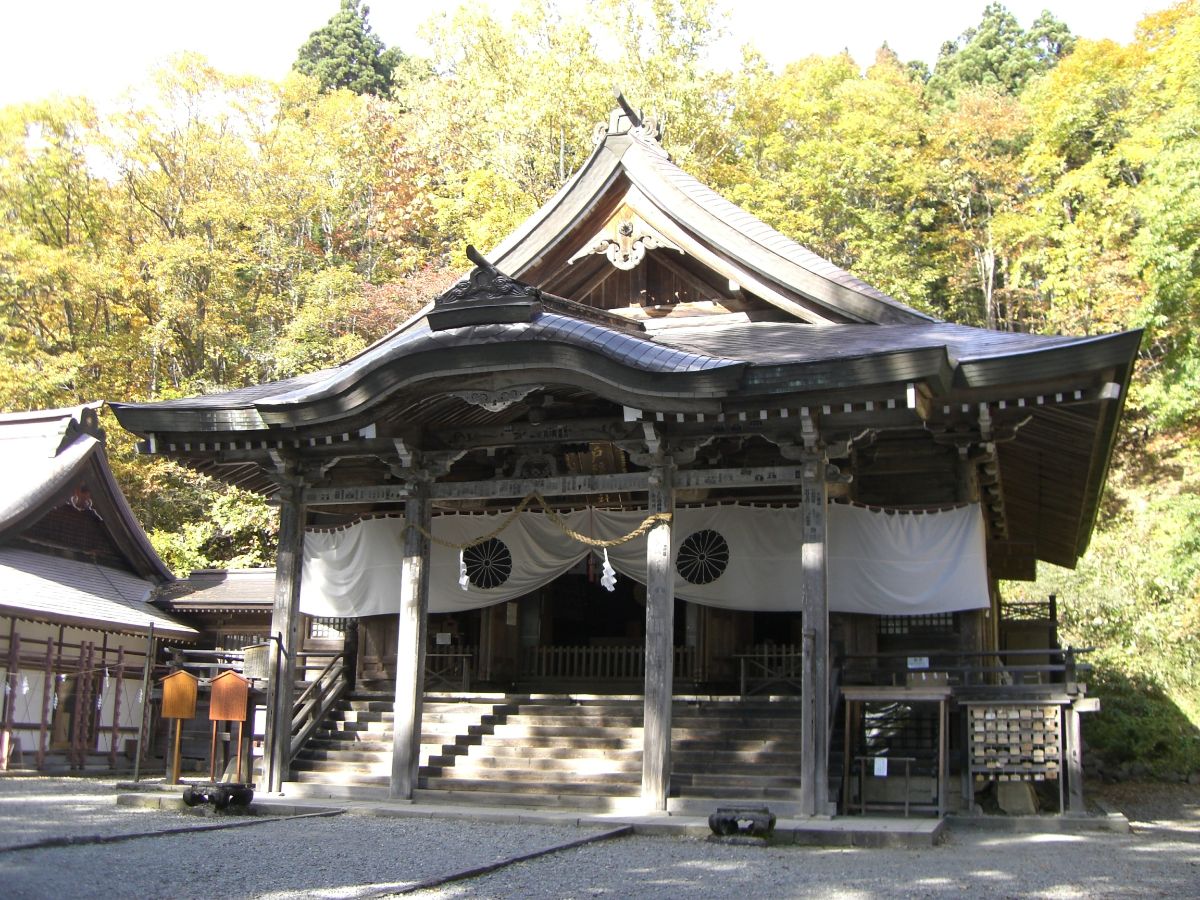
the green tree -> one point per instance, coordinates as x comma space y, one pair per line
976, 147
1073, 227
346, 53
999, 53
834, 159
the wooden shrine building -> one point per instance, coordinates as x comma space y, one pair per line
77, 576
794, 479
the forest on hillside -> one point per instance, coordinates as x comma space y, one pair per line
218, 230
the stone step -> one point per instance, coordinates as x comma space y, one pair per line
489, 765
350, 778
703, 769
734, 779
522, 799
576, 720
340, 770
703, 806
531, 777
738, 793
316, 790
532, 788
516, 728
566, 753
717, 744
568, 740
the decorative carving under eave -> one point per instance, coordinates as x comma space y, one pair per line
624, 239
486, 297
496, 401
535, 465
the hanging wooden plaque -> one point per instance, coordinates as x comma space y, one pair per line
230, 697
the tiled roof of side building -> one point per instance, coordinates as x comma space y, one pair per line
52, 588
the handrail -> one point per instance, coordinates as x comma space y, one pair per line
1052, 663
315, 702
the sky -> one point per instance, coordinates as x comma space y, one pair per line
101, 47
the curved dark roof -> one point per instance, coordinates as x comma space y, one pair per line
417, 353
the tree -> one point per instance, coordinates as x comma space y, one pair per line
977, 147
345, 53
999, 53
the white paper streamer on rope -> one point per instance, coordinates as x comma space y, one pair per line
608, 575
464, 580
24, 685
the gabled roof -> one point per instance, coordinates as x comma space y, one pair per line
793, 332
76, 592
630, 167
46, 456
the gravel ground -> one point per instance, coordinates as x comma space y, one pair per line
352, 856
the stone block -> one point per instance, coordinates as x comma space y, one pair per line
1016, 798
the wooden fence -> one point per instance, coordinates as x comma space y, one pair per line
602, 663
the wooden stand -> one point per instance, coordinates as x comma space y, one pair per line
179, 702
855, 697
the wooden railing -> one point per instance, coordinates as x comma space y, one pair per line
207, 664
602, 663
777, 667
318, 698
1005, 669
449, 669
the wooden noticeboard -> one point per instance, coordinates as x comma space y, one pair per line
179, 695
230, 697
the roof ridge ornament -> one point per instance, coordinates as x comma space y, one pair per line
625, 119
485, 297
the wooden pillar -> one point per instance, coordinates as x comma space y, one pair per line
410, 644
48, 685
115, 739
814, 692
11, 686
285, 630
1073, 738
660, 628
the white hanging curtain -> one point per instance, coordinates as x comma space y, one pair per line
904, 564
737, 557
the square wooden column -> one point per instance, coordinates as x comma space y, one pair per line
814, 691
660, 629
410, 644
285, 625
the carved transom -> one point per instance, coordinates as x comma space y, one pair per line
496, 401
624, 239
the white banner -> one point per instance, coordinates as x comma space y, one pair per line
738, 557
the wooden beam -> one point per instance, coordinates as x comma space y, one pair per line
563, 486
814, 689
285, 626
410, 646
660, 630
697, 283
366, 493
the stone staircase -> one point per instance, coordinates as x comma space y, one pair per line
735, 751
576, 751
351, 754
551, 751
